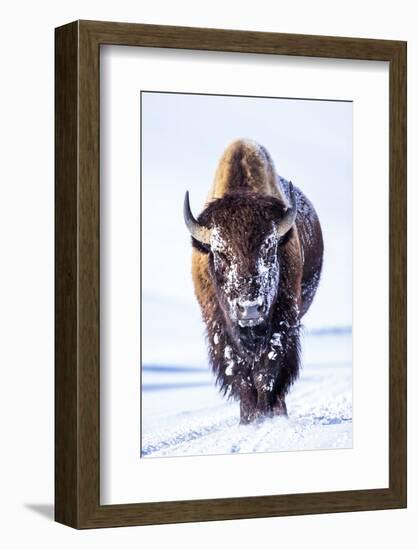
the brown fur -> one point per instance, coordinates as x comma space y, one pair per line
243, 165
246, 182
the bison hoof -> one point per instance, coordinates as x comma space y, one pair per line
258, 416
248, 418
280, 409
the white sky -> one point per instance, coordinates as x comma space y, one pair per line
183, 137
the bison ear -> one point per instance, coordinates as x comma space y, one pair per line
200, 233
287, 221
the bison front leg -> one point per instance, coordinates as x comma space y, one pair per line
244, 388
269, 401
265, 384
280, 408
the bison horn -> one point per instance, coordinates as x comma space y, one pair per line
199, 232
288, 220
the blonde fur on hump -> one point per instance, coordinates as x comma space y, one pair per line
250, 159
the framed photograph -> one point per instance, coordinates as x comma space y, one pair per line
230, 274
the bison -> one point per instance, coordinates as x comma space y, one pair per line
257, 252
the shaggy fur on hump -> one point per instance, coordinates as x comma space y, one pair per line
245, 165
246, 199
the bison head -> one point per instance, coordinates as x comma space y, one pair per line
242, 232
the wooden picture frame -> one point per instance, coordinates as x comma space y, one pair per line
77, 370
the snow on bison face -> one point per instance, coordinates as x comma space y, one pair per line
246, 280
246, 286
241, 234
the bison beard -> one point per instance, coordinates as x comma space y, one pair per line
258, 252
261, 378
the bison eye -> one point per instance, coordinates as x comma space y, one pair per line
270, 253
221, 257
220, 260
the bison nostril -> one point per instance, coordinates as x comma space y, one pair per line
249, 310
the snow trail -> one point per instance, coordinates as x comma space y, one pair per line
183, 415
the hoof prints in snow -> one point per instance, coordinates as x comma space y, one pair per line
185, 437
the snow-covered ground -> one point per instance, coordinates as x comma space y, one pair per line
183, 414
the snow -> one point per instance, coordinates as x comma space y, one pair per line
217, 243
276, 340
229, 369
183, 414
